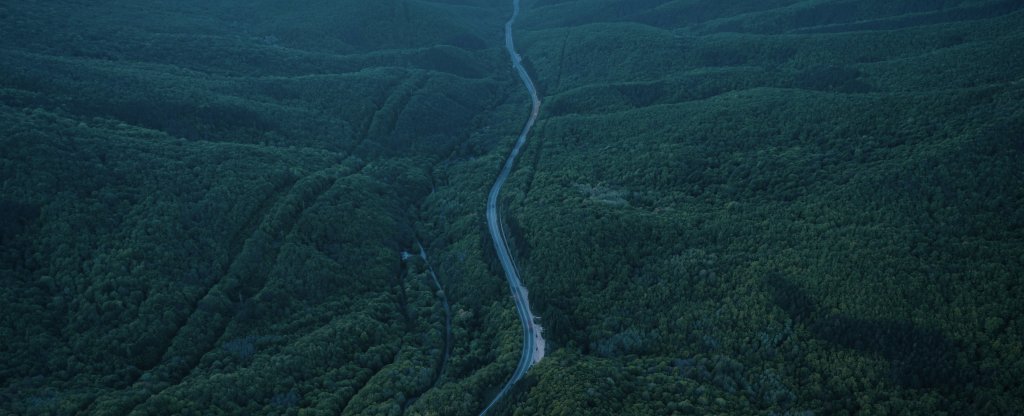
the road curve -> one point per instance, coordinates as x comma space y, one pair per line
533, 342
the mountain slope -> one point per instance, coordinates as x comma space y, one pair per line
774, 207
209, 203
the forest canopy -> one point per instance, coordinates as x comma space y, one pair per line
734, 207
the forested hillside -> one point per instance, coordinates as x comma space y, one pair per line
205, 205
784, 207
787, 207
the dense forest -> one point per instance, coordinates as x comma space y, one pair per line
776, 207
205, 209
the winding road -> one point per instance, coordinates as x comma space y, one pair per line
533, 342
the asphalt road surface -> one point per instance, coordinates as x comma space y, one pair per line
533, 342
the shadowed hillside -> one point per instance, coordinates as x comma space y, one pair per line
206, 203
774, 207
741, 207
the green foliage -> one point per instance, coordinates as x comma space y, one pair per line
205, 204
768, 223
739, 207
